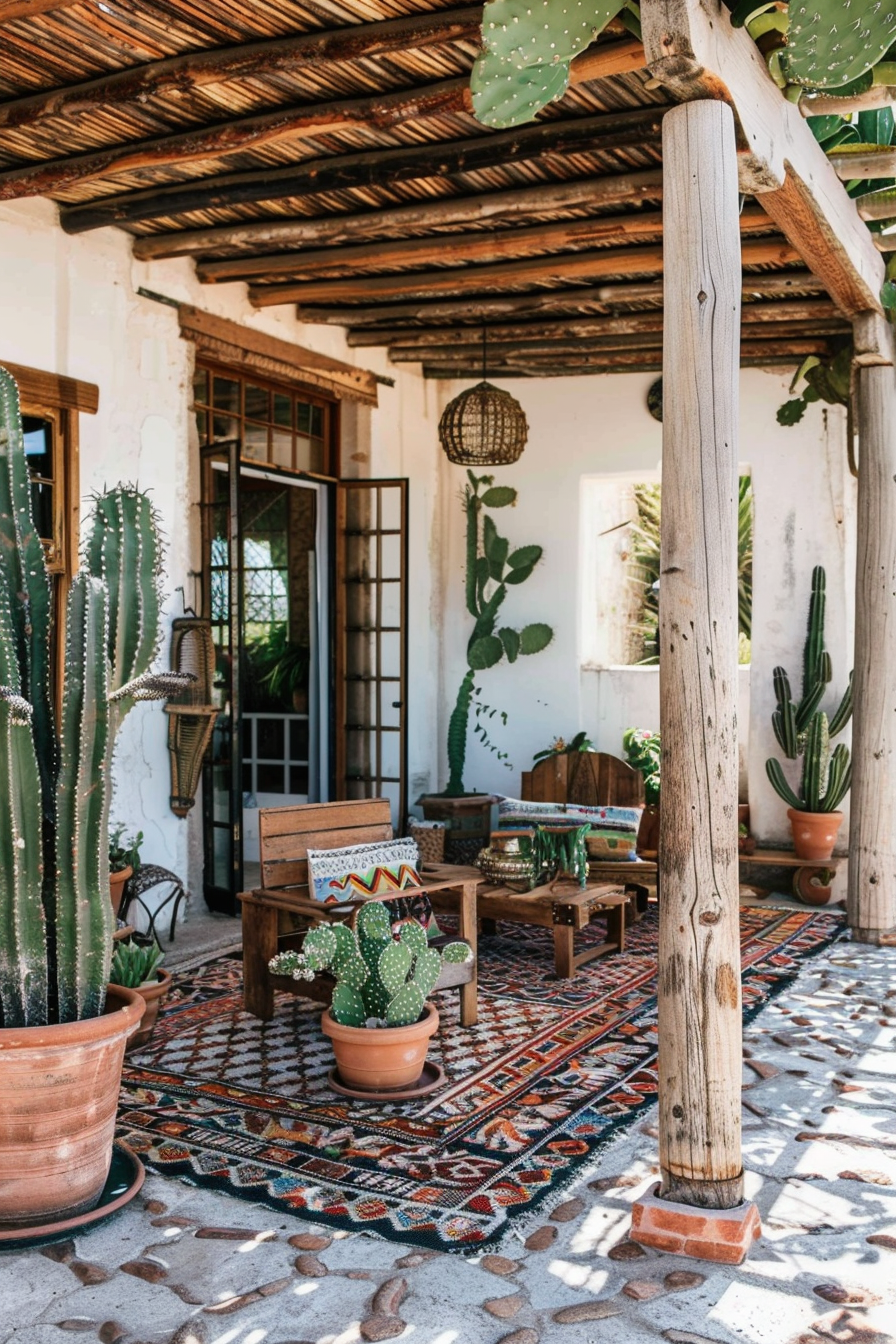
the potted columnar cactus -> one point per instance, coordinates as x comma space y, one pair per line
492, 568
803, 730
379, 1020
62, 1037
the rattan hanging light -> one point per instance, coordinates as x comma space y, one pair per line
483, 427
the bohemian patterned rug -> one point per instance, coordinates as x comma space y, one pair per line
550, 1074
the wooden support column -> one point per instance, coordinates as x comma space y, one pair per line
699, 954
871, 902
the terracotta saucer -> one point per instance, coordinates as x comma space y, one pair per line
432, 1077
125, 1179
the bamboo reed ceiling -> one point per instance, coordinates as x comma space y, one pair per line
325, 154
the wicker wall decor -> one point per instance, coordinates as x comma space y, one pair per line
191, 715
483, 427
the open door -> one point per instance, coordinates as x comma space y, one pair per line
371, 642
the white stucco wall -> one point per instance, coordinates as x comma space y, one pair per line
591, 427
69, 305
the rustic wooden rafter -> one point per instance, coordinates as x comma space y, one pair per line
374, 168
650, 363
180, 75
797, 343
498, 245
599, 299
337, 230
470, 279
381, 110
28, 9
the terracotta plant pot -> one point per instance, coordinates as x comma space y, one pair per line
153, 993
58, 1097
116, 886
381, 1059
814, 833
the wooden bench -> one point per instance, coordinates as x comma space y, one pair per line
286, 835
561, 906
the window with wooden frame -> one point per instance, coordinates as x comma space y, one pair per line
50, 406
276, 425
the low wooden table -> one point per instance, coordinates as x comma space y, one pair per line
560, 905
807, 872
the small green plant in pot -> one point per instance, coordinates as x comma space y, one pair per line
803, 730
492, 569
124, 861
62, 1039
379, 1020
137, 966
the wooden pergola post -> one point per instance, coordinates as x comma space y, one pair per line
871, 902
699, 1209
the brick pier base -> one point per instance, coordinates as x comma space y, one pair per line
723, 1235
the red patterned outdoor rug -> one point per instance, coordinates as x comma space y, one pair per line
551, 1072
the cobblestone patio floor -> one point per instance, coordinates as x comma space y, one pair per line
180, 1266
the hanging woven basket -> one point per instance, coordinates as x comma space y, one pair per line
483, 427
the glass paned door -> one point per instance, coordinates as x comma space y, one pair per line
371, 643
267, 579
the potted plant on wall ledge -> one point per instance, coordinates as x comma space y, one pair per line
380, 1021
62, 1036
124, 861
490, 567
803, 730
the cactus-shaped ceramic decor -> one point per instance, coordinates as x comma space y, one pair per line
491, 567
381, 980
803, 729
56, 918
527, 49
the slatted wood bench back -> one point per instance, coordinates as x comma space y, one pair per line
589, 778
287, 833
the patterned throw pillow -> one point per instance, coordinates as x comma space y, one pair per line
515, 815
360, 871
608, 846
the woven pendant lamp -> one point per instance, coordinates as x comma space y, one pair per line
483, 427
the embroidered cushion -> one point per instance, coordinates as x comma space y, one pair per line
608, 846
514, 814
358, 872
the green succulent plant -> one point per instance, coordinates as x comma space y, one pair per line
134, 965
642, 750
56, 918
491, 567
803, 729
379, 977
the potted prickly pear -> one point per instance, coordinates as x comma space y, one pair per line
380, 1020
803, 730
62, 1036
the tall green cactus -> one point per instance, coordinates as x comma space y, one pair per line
56, 918
378, 976
804, 730
491, 566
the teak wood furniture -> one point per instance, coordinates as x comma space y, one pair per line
286, 834
561, 906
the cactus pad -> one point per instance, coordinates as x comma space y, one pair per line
831, 44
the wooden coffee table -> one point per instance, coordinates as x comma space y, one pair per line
560, 905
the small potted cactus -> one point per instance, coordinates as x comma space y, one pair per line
379, 1020
804, 730
62, 1036
136, 966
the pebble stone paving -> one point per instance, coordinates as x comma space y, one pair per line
182, 1266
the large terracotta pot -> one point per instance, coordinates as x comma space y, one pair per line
814, 833
116, 886
153, 993
58, 1097
380, 1059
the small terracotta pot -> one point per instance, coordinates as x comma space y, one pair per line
153, 993
58, 1097
814, 833
381, 1059
116, 887
812, 886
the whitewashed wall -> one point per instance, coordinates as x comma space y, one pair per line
582, 428
70, 305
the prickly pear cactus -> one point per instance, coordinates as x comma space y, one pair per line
379, 977
830, 43
527, 49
